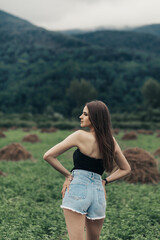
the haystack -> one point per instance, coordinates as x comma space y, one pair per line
34, 128
115, 131
157, 152
75, 129
158, 135
3, 129
143, 165
2, 174
146, 132
129, 136
2, 135
48, 130
26, 130
31, 138
13, 128
14, 152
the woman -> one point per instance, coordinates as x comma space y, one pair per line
83, 192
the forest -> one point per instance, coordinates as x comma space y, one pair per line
46, 73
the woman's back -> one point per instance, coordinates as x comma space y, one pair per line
88, 145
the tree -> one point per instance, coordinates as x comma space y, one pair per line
81, 92
151, 93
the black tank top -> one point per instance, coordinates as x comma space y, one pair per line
84, 162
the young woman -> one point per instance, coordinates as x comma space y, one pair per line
83, 192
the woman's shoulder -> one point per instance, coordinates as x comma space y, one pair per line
81, 133
87, 138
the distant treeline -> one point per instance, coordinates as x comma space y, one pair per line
140, 120
43, 71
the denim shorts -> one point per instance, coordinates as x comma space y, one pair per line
86, 195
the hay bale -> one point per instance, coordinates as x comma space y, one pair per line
146, 132
3, 174
48, 130
14, 152
26, 130
157, 152
143, 165
2, 135
158, 135
13, 128
31, 138
129, 136
75, 129
34, 128
3, 129
115, 131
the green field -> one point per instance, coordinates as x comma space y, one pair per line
30, 195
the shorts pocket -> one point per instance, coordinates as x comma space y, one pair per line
101, 196
77, 191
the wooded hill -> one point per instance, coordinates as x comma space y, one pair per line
152, 29
37, 67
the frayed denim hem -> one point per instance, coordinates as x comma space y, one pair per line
72, 210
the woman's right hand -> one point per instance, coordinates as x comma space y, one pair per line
66, 185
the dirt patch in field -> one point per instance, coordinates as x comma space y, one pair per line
48, 130
158, 135
129, 136
14, 152
31, 138
143, 165
146, 132
2, 135
157, 152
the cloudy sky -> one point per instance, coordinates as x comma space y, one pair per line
84, 14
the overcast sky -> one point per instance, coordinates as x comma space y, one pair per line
83, 14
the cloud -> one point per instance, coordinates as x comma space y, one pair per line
67, 14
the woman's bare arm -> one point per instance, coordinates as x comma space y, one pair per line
51, 155
124, 167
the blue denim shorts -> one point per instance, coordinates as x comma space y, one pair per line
86, 195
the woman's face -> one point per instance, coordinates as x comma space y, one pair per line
85, 122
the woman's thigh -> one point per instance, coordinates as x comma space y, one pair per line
93, 228
75, 223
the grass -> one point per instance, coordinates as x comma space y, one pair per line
30, 195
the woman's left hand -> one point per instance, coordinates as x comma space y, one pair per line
66, 185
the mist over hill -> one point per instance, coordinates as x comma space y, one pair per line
153, 29
37, 66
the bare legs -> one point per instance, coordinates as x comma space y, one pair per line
76, 223
93, 228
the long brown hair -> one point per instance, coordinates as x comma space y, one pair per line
100, 119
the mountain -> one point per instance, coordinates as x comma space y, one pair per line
122, 39
152, 29
18, 31
37, 66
